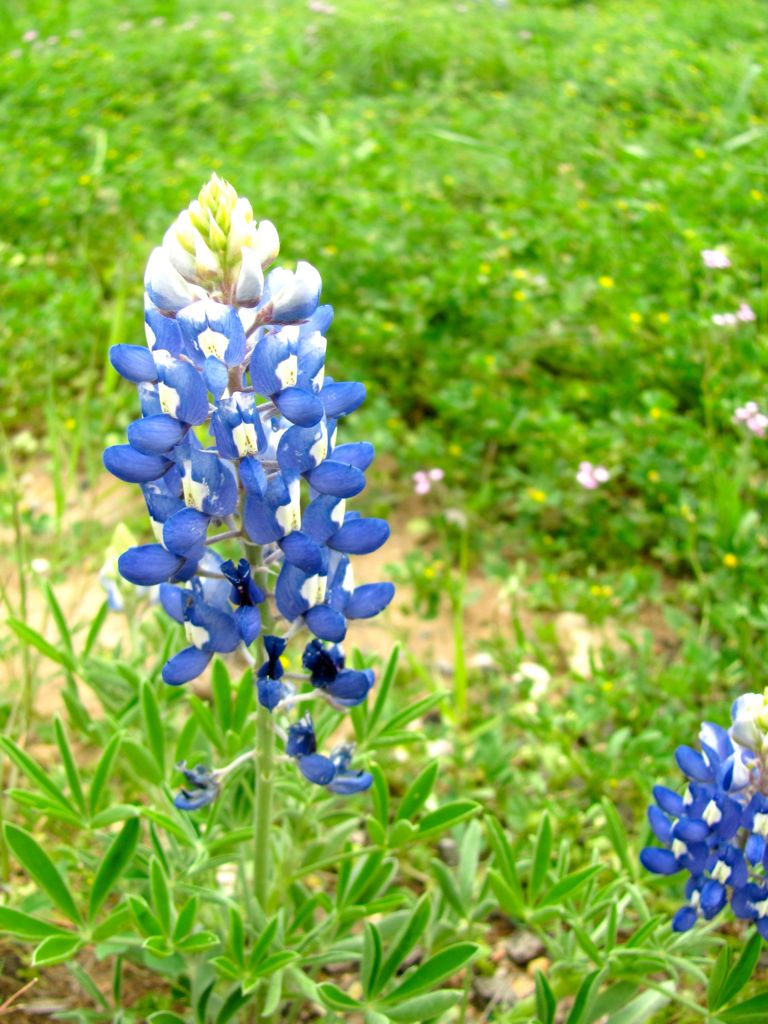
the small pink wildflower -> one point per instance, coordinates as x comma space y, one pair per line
746, 314
423, 479
319, 7
590, 477
750, 416
725, 319
29, 36
715, 259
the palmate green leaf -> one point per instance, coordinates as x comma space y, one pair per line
407, 938
222, 694
717, 978
372, 955
115, 861
335, 999
56, 949
427, 1007
103, 771
161, 899
275, 962
418, 792
34, 773
153, 725
751, 1011
545, 1000
382, 690
41, 868
569, 885
186, 919
448, 888
73, 776
25, 926
138, 758
45, 807
583, 996
117, 923
234, 1002
398, 721
741, 972
446, 817
541, 854
509, 900
31, 637
198, 942
434, 970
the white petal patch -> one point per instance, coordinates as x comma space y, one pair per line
721, 872
169, 398
317, 380
287, 371
289, 516
319, 449
712, 813
150, 335
213, 343
195, 491
349, 579
196, 635
679, 848
760, 908
313, 590
338, 512
157, 529
245, 438
760, 826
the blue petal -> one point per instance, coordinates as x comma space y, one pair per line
351, 687
301, 738
300, 407
134, 362
360, 536
209, 483
186, 665
355, 453
349, 783
302, 552
271, 692
369, 599
185, 531
317, 769
684, 919
162, 332
660, 824
342, 398
660, 862
124, 462
183, 392
691, 830
290, 601
154, 435
216, 376
220, 626
302, 448
713, 898
248, 619
148, 565
272, 360
336, 478
692, 764
173, 599
326, 623
669, 801
322, 517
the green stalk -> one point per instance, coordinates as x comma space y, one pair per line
457, 605
262, 806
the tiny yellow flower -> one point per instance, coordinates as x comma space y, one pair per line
485, 268
635, 317
607, 686
663, 318
393, 422
757, 195
429, 572
388, 326
448, 180
622, 204
595, 590
454, 449
70, 423
605, 281
699, 153
607, 591
687, 513
583, 204
406, 206
84, 179
654, 476
520, 273
329, 250
730, 561
656, 413
536, 495
519, 296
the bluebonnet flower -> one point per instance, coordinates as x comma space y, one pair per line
237, 443
717, 830
203, 788
331, 772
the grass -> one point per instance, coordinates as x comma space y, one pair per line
508, 206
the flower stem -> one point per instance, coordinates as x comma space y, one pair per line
262, 814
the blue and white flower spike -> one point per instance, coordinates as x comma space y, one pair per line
236, 445
717, 829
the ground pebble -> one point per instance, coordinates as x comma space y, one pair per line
522, 947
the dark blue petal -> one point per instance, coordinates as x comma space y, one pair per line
186, 665
326, 622
216, 376
660, 862
300, 407
173, 599
713, 898
301, 448
355, 453
360, 536
154, 435
369, 599
323, 517
134, 362
291, 602
302, 552
218, 628
183, 392
336, 478
691, 830
684, 919
253, 477
185, 531
342, 398
124, 462
248, 619
148, 565
301, 738
188, 800
317, 769
669, 801
271, 692
660, 824
351, 687
692, 764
